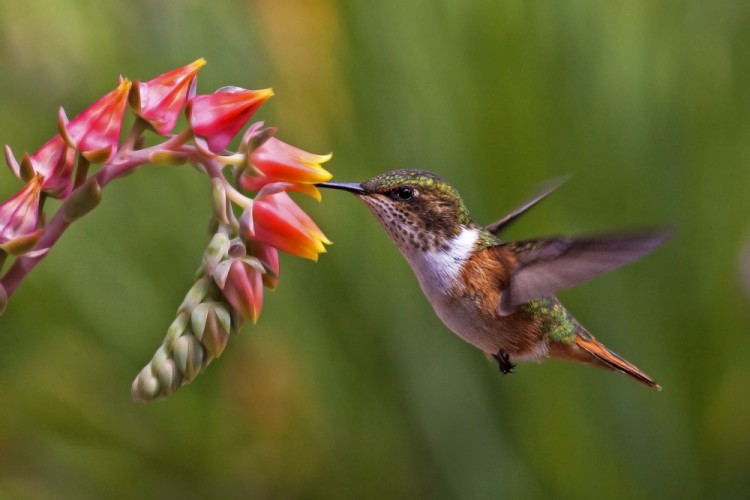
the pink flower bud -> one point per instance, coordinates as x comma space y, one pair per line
160, 101
269, 257
216, 118
96, 131
54, 161
242, 286
19, 217
279, 222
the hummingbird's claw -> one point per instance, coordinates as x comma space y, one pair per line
503, 361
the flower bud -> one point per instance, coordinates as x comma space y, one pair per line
19, 217
216, 118
83, 200
215, 252
178, 327
54, 161
146, 386
195, 295
160, 101
169, 376
189, 355
96, 131
269, 257
241, 283
212, 324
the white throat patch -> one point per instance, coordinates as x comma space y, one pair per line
438, 269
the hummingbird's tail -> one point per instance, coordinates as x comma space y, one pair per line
605, 358
586, 349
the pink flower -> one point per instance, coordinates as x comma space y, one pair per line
286, 163
54, 161
19, 217
279, 222
96, 131
160, 101
216, 118
269, 257
241, 283
256, 183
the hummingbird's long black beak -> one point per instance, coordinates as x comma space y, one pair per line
352, 187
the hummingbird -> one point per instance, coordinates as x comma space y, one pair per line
498, 296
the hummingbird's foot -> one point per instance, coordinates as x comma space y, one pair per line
503, 361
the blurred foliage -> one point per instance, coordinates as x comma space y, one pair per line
349, 386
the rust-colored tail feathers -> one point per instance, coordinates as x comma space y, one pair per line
610, 360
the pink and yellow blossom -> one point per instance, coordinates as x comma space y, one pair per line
19, 217
54, 161
217, 118
279, 222
160, 100
284, 162
96, 131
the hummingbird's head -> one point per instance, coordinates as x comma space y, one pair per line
418, 209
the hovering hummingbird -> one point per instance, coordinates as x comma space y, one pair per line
498, 296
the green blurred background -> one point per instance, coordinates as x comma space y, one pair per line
349, 386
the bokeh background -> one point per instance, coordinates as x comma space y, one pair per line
349, 386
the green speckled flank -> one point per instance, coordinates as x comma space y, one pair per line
556, 323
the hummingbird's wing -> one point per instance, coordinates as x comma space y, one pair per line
542, 267
500, 225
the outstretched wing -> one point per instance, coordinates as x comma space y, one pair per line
542, 267
500, 225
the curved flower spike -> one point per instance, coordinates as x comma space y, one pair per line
216, 118
279, 222
160, 101
96, 131
19, 217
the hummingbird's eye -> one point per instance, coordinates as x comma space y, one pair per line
404, 193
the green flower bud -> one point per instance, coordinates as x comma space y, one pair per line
189, 355
83, 200
177, 328
212, 324
145, 387
169, 376
196, 294
215, 252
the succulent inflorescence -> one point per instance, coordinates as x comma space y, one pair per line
246, 232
